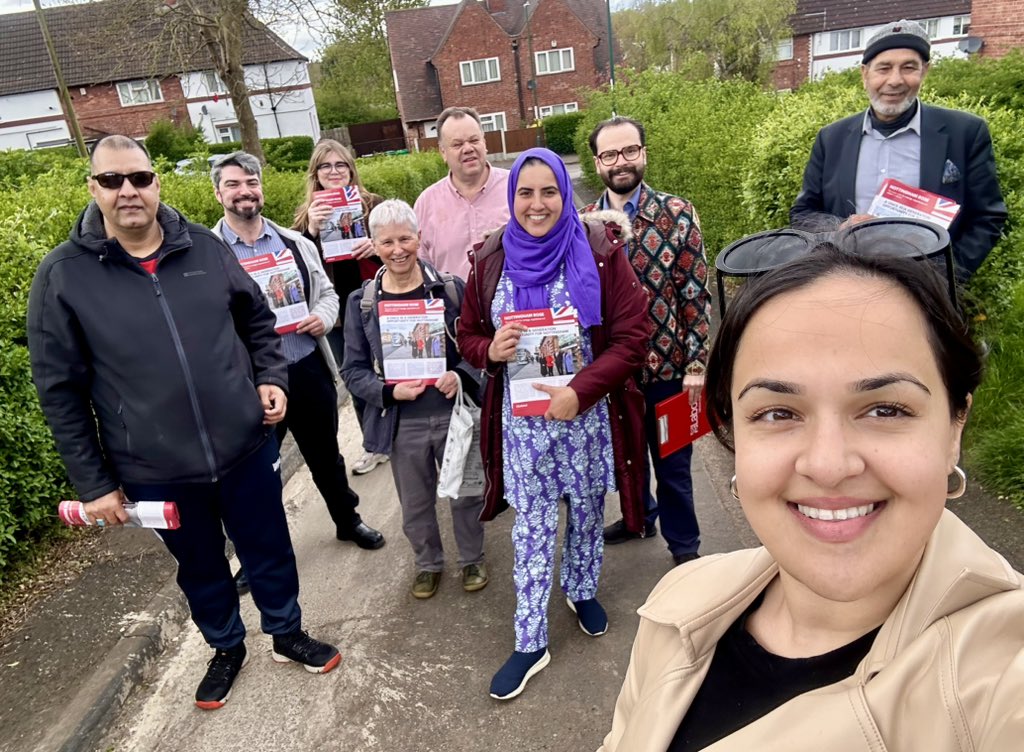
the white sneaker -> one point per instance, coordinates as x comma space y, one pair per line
367, 462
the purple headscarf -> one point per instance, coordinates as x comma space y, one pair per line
532, 263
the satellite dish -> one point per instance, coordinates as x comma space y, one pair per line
970, 45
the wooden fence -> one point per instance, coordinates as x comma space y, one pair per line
498, 142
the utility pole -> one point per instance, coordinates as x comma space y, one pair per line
611, 57
532, 83
62, 89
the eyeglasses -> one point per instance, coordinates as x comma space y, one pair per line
333, 167
114, 180
757, 254
630, 153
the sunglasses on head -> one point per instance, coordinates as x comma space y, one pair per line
114, 180
757, 254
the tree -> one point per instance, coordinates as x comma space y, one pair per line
355, 83
720, 39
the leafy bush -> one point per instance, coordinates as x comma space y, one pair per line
173, 143
560, 132
19, 166
997, 82
287, 153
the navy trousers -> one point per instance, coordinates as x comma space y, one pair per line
246, 502
674, 504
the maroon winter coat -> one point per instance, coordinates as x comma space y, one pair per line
620, 344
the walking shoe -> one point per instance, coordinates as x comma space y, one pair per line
241, 582
590, 615
315, 656
512, 677
425, 584
215, 688
617, 533
474, 577
683, 558
362, 535
367, 462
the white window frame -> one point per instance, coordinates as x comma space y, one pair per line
782, 47
549, 110
931, 27
845, 40
231, 128
961, 25
128, 92
564, 57
490, 121
492, 71
208, 77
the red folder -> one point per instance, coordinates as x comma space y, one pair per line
680, 422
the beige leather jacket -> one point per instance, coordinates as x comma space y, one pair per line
945, 673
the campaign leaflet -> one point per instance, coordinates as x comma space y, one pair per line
412, 340
548, 353
278, 277
896, 199
680, 422
346, 226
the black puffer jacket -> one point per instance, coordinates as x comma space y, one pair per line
166, 364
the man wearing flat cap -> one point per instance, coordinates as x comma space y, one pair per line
947, 152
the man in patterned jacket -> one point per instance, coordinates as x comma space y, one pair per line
667, 253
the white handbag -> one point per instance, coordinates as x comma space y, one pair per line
462, 471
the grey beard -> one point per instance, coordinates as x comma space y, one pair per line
892, 110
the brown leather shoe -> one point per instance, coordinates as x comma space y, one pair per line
474, 577
425, 584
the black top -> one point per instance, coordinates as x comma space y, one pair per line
746, 682
887, 128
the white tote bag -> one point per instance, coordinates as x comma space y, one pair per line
462, 471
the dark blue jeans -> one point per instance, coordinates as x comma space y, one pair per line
674, 505
246, 502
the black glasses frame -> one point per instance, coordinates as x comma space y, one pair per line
335, 166
113, 181
616, 152
774, 248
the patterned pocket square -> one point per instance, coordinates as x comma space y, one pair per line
950, 173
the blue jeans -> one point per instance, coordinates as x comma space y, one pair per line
674, 504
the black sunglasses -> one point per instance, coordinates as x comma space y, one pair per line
756, 254
114, 180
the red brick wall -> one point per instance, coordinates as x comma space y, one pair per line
789, 74
1000, 23
99, 109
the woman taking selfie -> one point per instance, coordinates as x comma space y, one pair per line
872, 618
583, 445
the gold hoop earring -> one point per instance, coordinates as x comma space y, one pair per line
732, 488
961, 487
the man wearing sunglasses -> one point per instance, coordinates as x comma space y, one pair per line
161, 377
667, 254
943, 151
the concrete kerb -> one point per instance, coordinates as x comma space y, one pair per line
88, 717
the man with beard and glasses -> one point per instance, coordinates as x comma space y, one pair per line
312, 370
667, 253
947, 152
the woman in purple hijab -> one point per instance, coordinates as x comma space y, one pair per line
548, 437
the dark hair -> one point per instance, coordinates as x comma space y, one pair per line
957, 356
456, 113
611, 122
117, 141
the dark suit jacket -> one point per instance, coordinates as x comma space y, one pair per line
959, 138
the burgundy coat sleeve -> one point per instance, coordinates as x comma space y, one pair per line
474, 334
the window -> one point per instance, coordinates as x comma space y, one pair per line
142, 91
840, 41
558, 109
228, 132
961, 25
480, 71
555, 61
784, 49
494, 121
931, 25
212, 83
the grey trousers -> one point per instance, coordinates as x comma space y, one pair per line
416, 455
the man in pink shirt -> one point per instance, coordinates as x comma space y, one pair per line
456, 211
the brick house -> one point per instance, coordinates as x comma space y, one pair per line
125, 93
477, 54
829, 35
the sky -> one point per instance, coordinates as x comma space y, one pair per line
298, 36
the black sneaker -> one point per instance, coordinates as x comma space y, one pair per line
215, 688
315, 656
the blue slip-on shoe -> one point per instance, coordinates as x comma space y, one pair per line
512, 677
590, 615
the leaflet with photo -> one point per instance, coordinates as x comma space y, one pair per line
278, 277
548, 353
412, 338
346, 226
896, 199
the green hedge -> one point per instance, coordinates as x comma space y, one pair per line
560, 132
287, 153
41, 195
